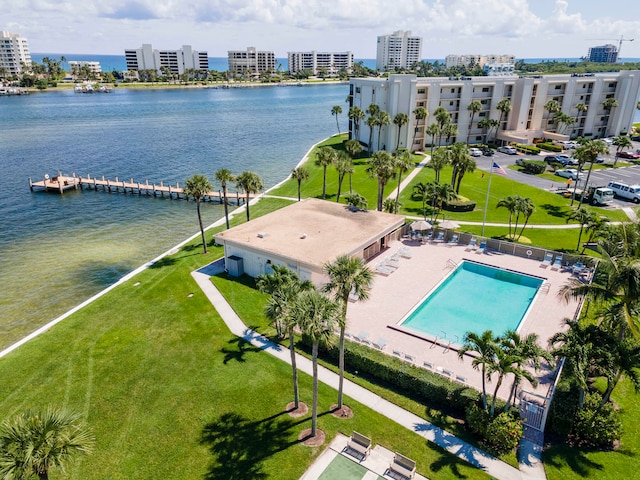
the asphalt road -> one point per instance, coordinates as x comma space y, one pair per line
629, 175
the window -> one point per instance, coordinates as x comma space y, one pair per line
612, 85
357, 89
453, 90
485, 89
558, 87
422, 90
451, 103
478, 138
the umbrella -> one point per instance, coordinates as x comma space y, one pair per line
448, 224
420, 225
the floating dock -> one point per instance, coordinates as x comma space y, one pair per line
61, 183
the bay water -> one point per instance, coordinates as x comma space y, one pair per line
58, 250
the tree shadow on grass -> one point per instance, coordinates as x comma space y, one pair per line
576, 459
240, 446
555, 210
237, 350
164, 262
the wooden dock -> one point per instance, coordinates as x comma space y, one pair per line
61, 183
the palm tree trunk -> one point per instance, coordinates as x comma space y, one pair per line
247, 205
341, 366
586, 183
579, 237
340, 179
351, 182
314, 408
512, 393
299, 187
294, 368
610, 387
204, 240
398, 193
495, 395
324, 183
226, 205
484, 389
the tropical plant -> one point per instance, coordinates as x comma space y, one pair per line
443, 118
553, 107
516, 205
336, 110
372, 122
356, 200
343, 166
299, 174
474, 108
462, 162
621, 142
587, 152
450, 131
424, 191
562, 120
400, 120
583, 217
348, 276
484, 345
433, 131
224, 176
486, 125
440, 159
35, 442
595, 227
197, 186
316, 316
356, 114
404, 162
353, 148
441, 194
249, 182
389, 205
382, 120
325, 156
504, 107
382, 167
420, 113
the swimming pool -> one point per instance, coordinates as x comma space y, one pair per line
475, 297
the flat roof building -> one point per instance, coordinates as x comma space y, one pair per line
251, 61
14, 51
306, 235
603, 54
467, 61
398, 50
331, 62
177, 61
527, 95
93, 67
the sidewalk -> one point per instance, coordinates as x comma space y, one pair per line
531, 466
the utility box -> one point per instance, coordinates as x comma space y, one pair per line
235, 266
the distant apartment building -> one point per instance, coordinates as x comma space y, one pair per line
177, 61
499, 69
467, 61
77, 65
398, 50
251, 61
331, 62
14, 51
526, 120
603, 54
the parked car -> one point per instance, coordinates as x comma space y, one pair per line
599, 160
569, 144
561, 159
520, 161
487, 152
475, 152
629, 155
508, 150
571, 173
608, 141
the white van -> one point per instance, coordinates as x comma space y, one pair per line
622, 190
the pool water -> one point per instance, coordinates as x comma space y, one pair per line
475, 297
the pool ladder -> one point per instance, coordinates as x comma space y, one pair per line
545, 287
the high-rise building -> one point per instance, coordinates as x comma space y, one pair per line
178, 61
14, 52
251, 61
526, 120
331, 62
603, 54
398, 50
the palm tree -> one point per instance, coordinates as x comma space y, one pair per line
382, 119
336, 110
503, 364
316, 315
461, 162
588, 152
347, 276
285, 286
382, 167
424, 191
198, 186
325, 156
440, 159
443, 118
511, 204
484, 345
504, 107
371, 122
249, 182
356, 114
626, 361
403, 161
440, 195
486, 125
400, 120
583, 217
621, 142
343, 166
562, 120
450, 130
224, 176
433, 131
474, 108
353, 148
299, 174
356, 200
32, 443
609, 104
420, 113
526, 208
553, 107
595, 226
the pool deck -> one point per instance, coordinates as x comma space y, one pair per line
394, 295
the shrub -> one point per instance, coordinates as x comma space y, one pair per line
596, 426
502, 432
460, 206
534, 167
527, 148
550, 147
563, 410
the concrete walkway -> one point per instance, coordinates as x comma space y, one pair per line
531, 468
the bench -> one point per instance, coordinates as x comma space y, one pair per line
402, 467
359, 444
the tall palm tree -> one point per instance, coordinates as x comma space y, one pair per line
484, 345
249, 182
562, 120
420, 113
197, 186
462, 162
325, 156
503, 365
443, 118
347, 276
553, 107
595, 227
583, 217
285, 286
356, 114
511, 204
382, 119
299, 174
343, 166
224, 176
587, 152
433, 131
424, 191
450, 131
504, 107
353, 148
316, 315
440, 159
474, 108
485, 125
441, 194
381, 166
621, 142
626, 361
400, 120
336, 110
371, 122
34, 443
609, 104
404, 162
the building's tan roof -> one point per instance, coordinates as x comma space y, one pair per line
313, 231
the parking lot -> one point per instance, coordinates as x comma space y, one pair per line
629, 175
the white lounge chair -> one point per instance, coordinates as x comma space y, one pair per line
481, 248
404, 252
547, 260
392, 262
557, 263
428, 365
472, 244
380, 343
362, 336
454, 240
383, 269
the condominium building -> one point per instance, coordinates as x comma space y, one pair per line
14, 52
93, 67
177, 61
583, 97
251, 61
398, 50
603, 54
466, 61
331, 62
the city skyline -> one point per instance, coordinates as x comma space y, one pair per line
524, 28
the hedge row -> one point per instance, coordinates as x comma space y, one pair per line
460, 206
550, 147
534, 167
527, 148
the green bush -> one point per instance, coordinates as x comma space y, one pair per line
502, 432
527, 148
534, 167
550, 147
460, 206
563, 410
596, 426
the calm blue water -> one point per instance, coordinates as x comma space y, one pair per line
466, 302
56, 251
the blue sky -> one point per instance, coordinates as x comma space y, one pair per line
527, 29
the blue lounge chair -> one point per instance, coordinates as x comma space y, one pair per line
439, 237
481, 248
557, 263
472, 244
454, 240
547, 260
